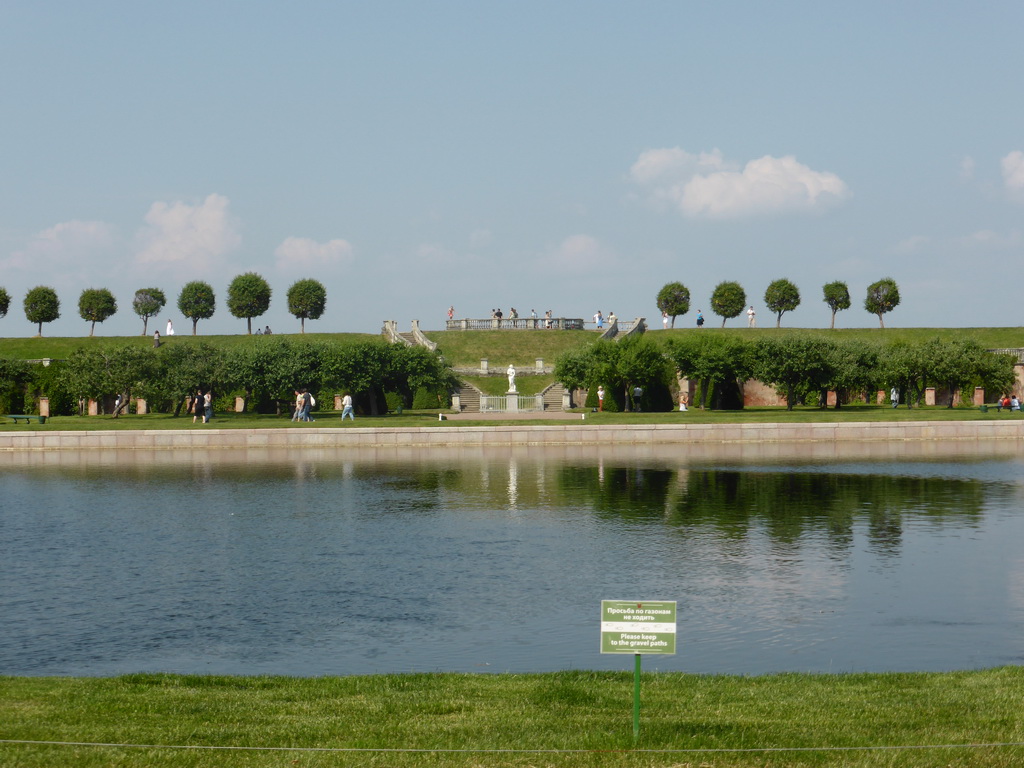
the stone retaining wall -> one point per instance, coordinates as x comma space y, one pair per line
514, 435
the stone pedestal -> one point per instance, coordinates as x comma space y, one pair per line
141, 407
929, 395
94, 408
512, 398
483, 366
979, 396
539, 365
239, 405
44, 406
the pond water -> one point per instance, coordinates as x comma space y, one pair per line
333, 562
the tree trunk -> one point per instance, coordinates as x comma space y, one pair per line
302, 324
880, 323
124, 404
833, 326
248, 321
195, 322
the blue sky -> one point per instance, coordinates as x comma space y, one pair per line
571, 156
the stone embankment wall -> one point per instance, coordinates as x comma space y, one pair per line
570, 433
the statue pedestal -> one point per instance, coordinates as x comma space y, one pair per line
512, 398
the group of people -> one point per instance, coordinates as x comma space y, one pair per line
599, 319
304, 401
202, 406
513, 314
1008, 401
665, 319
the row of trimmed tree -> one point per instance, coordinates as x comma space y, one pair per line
248, 297
802, 367
265, 371
729, 299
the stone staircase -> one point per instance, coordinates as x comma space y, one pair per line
408, 338
469, 398
553, 397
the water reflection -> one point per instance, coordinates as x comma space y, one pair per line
336, 562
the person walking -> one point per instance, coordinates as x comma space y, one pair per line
307, 403
700, 319
599, 320
751, 317
600, 398
346, 407
894, 397
197, 406
684, 400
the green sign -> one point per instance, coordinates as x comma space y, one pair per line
636, 626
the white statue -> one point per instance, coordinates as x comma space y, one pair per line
511, 377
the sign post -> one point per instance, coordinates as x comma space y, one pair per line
638, 627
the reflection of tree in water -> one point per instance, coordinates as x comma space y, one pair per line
634, 493
785, 505
731, 504
789, 505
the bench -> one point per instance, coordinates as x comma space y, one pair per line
27, 417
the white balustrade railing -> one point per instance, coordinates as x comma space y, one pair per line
500, 403
516, 324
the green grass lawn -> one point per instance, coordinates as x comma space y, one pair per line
429, 418
564, 719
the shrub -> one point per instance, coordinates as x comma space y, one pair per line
428, 399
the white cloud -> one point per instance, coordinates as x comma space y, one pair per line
1013, 171
480, 238
990, 240
910, 245
656, 165
68, 247
705, 185
195, 237
302, 253
967, 167
580, 254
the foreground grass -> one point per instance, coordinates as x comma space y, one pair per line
565, 719
429, 418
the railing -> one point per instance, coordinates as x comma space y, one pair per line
422, 340
500, 403
516, 324
1017, 352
